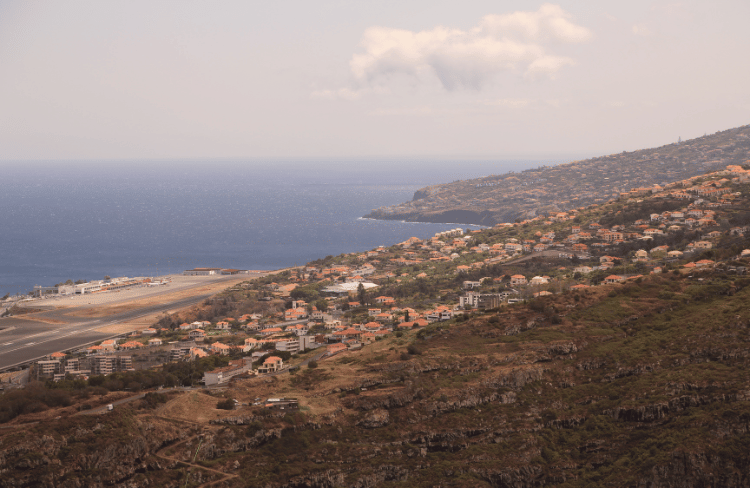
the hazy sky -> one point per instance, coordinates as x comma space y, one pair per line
499, 79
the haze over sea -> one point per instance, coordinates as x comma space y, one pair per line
84, 220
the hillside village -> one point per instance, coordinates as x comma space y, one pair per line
605, 345
511, 196
346, 303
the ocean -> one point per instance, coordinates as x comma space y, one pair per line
84, 220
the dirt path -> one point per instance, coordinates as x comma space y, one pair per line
225, 476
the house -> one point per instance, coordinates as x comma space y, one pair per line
295, 314
383, 317
197, 334
612, 279
223, 325
641, 255
271, 330
219, 348
511, 246
659, 249
253, 325
197, 353
271, 364
289, 345
517, 280
468, 285
539, 280
154, 342
347, 334
335, 348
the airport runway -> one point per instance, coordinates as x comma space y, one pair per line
24, 340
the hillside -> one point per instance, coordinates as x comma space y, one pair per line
612, 349
504, 198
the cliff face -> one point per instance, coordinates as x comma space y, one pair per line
506, 197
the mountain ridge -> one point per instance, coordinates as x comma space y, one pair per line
495, 199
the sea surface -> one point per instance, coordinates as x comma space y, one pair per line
84, 220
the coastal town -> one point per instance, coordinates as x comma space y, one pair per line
526, 341
344, 304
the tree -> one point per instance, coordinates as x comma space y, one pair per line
361, 294
321, 304
227, 404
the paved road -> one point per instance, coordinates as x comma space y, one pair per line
23, 340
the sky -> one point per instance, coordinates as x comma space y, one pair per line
350, 79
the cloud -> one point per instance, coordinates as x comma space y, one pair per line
517, 43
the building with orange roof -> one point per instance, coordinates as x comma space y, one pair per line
613, 279
271, 364
271, 330
517, 280
332, 349
219, 348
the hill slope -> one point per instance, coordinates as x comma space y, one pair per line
643, 382
504, 198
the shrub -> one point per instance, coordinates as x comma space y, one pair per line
227, 404
312, 364
152, 400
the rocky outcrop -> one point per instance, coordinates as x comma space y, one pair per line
84, 457
515, 378
375, 419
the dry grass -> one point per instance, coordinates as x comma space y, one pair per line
192, 406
